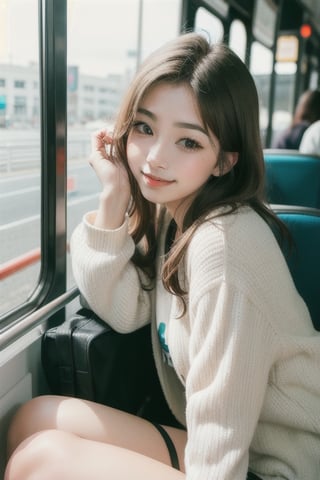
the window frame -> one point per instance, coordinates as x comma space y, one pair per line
53, 134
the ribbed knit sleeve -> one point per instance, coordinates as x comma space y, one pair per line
106, 277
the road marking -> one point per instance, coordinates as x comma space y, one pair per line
19, 192
18, 223
23, 221
14, 177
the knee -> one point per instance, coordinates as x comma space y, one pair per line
39, 456
32, 417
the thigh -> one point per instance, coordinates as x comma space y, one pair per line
52, 454
94, 422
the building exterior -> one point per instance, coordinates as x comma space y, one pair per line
93, 98
19, 95
89, 98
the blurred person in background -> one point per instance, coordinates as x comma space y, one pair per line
310, 142
306, 113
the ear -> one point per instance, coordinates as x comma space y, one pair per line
229, 159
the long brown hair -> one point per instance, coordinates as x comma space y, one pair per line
228, 103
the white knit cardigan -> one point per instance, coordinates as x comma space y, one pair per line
246, 377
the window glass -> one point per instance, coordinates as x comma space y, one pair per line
238, 39
314, 78
103, 55
264, 21
209, 25
286, 71
261, 61
284, 102
19, 152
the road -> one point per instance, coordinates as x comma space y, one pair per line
20, 194
20, 222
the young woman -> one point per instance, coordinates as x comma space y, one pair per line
182, 236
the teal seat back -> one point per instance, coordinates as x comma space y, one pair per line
304, 258
292, 178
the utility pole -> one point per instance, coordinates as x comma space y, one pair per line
139, 38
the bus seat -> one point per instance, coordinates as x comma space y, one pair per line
304, 258
292, 178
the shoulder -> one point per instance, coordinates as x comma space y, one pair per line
229, 246
314, 127
210, 240
310, 142
229, 230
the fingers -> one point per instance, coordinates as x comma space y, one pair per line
107, 171
99, 141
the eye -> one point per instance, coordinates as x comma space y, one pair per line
142, 127
189, 144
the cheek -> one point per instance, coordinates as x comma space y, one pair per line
199, 171
133, 155
132, 149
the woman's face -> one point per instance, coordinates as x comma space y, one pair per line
169, 150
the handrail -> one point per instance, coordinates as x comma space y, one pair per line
13, 332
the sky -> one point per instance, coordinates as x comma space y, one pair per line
103, 34
100, 32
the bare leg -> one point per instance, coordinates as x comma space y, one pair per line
56, 455
92, 422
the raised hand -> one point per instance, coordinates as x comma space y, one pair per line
115, 194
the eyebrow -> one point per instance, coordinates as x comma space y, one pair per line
192, 126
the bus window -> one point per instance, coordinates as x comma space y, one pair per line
264, 21
103, 55
19, 152
314, 74
284, 104
261, 61
238, 39
209, 24
286, 71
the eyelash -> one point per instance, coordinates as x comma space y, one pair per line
139, 126
195, 144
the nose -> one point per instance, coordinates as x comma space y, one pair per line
157, 155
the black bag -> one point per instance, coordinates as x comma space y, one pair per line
84, 357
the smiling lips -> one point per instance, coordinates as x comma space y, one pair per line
155, 181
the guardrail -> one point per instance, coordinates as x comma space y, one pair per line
15, 156
19, 263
